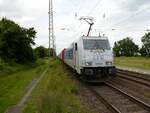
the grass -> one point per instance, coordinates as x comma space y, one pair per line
133, 62
6, 69
13, 86
56, 93
9, 68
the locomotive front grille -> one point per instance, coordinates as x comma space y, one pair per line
98, 71
88, 71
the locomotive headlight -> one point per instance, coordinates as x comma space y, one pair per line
88, 63
109, 63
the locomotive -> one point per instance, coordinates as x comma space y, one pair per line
91, 57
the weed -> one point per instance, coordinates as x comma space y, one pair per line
56, 93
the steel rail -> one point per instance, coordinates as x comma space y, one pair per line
133, 74
147, 106
130, 78
111, 107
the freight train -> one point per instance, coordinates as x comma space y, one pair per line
91, 57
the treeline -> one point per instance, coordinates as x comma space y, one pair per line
16, 43
42, 52
126, 47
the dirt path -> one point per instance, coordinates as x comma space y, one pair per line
18, 108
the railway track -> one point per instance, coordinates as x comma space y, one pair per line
134, 77
120, 95
117, 101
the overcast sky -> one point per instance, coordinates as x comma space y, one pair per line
128, 18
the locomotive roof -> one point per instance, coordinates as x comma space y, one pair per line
95, 37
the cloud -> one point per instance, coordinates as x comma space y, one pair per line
128, 17
134, 5
10, 8
1, 1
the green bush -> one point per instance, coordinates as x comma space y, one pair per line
12, 67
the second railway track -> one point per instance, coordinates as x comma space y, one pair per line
117, 100
135, 77
122, 94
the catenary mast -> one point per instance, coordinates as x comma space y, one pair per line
52, 45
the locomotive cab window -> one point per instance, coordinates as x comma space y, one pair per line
91, 44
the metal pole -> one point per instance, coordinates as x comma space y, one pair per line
52, 46
52, 28
49, 34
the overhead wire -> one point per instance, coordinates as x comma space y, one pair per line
97, 3
79, 9
131, 16
76, 9
95, 6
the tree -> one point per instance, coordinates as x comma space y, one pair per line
143, 51
116, 49
125, 47
15, 42
41, 52
146, 43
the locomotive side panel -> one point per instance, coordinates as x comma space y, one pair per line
69, 56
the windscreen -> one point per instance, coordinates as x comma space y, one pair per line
92, 44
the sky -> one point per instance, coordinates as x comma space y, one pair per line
117, 19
